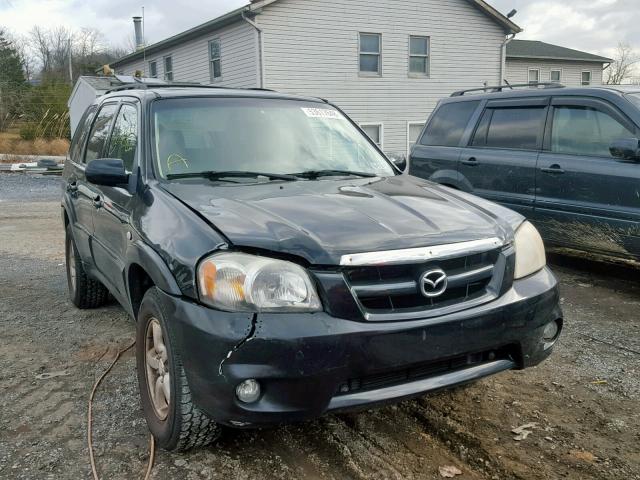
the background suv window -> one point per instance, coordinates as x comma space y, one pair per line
513, 128
99, 132
585, 131
124, 138
448, 124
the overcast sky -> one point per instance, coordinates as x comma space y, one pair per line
592, 25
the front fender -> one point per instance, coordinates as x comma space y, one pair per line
140, 254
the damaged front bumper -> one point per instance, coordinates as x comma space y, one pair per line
309, 364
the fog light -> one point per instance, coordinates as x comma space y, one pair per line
550, 333
248, 391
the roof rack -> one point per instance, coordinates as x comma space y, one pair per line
500, 88
148, 85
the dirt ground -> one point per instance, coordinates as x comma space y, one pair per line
584, 401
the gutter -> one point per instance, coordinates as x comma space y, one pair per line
503, 57
261, 68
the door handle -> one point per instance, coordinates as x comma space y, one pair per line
472, 162
554, 169
97, 201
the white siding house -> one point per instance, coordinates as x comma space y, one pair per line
529, 61
385, 62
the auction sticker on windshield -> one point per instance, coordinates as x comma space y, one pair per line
322, 113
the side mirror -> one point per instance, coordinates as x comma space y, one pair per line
399, 160
109, 172
626, 148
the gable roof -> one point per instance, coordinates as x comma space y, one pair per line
483, 6
547, 51
253, 7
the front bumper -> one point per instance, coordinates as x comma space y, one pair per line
312, 363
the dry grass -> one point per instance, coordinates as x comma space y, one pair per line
11, 145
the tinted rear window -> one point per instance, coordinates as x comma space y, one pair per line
514, 128
448, 124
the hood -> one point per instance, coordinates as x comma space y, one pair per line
322, 220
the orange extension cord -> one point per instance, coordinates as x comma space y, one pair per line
152, 446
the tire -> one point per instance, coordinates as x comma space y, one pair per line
84, 291
176, 424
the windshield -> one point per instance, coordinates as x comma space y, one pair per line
258, 135
635, 98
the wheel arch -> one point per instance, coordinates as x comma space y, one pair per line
145, 269
453, 179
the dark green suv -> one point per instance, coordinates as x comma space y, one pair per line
566, 158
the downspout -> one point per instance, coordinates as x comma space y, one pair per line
260, 48
503, 58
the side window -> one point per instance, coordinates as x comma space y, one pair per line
513, 128
215, 62
80, 135
153, 69
124, 138
168, 69
370, 53
585, 131
99, 132
448, 124
374, 132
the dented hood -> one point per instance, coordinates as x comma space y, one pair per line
324, 219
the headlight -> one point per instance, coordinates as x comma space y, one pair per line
530, 256
239, 282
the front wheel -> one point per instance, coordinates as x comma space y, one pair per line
173, 419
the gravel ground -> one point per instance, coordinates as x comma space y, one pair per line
584, 401
17, 187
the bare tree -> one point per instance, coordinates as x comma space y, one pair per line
623, 65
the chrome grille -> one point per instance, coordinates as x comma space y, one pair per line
392, 292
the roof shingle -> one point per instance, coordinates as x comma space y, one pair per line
541, 50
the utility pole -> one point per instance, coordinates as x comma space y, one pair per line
70, 64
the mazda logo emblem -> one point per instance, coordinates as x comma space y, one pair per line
433, 283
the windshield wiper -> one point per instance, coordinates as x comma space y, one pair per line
218, 175
312, 174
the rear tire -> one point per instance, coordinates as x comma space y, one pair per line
175, 422
84, 291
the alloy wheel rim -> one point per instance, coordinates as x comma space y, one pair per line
157, 369
71, 261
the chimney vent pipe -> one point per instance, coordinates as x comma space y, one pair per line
137, 26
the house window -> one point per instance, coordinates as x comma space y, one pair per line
419, 55
534, 76
555, 75
413, 132
370, 53
215, 63
153, 69
586, 78
168, 69
374, 132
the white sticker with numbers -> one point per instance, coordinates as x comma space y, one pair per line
322, 113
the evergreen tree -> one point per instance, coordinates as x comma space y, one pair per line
12, 81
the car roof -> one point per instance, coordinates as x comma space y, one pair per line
595, 91
190, 90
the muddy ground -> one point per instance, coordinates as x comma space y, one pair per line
584, 401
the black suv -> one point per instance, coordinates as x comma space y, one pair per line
566, 158
279, 266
